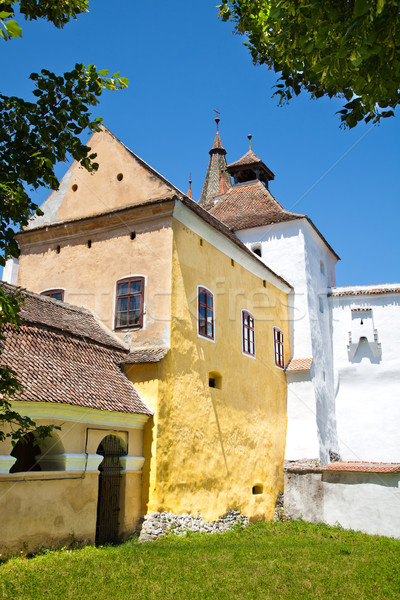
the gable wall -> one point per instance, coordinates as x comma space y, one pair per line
101, 191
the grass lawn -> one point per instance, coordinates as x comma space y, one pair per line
292, 560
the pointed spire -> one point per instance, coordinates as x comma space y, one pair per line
189, 194
217, 169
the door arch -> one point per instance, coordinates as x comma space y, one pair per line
107, 524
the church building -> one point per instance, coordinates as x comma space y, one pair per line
195, 324
198, 357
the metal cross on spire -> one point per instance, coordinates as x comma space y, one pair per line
217, 119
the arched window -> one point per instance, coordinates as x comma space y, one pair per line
278, 348
129, 303
248, 342
56, 294
205, 310
43, 455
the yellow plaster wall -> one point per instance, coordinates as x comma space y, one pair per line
55, 508
45, 513
100, 191
89, 275
212, 446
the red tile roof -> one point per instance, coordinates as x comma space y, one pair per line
63, 355
56, 367
247, 159
146, 354
369, 290
364, 467
248, 205
299, 364
46, 311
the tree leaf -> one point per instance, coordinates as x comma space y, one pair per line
13, 29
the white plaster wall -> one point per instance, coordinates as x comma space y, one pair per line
368, 386
320, 264
302, 436
282, 247
366, 502
10, 271
294, 250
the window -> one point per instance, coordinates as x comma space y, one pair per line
248, 333
278, 348
33, 455
205, 309
256, 248
129, 302
56, 294
215, 380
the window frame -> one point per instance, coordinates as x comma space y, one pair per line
50, 293
129, 279
208, 293
247, 342
279, 348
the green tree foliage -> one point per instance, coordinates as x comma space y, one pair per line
336, 48
34, 137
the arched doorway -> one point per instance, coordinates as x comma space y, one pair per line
109, 487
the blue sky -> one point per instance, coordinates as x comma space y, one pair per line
182, 63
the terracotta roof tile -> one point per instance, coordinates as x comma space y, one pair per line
250, 204
77, 321
369, 290
146, 354
299, 364
61, 368
247, 159
364, 467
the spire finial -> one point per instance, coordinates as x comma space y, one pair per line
189, 194
217, 119
249, 138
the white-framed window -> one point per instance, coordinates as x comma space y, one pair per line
279, 351
205, 313
248, 336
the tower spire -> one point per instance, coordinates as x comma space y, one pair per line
189, 194
217, 169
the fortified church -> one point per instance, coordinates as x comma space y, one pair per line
198, 357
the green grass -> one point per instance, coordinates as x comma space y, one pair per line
292, 560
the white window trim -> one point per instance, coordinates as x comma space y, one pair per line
127, 329
244, 310
203, 337
273, 342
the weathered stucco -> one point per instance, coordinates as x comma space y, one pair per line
368, 502
83, 194
53, 508
210, 446
89, 275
